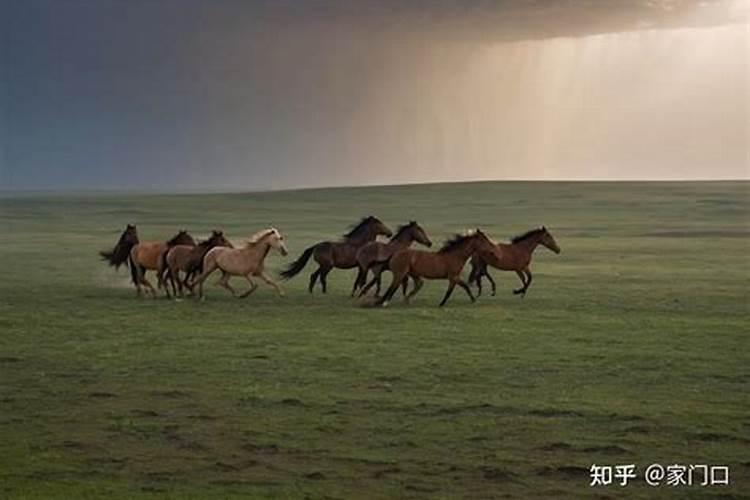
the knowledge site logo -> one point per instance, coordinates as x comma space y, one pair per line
674, 475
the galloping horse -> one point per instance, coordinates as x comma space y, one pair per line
375, 255
341, 254
149, 255
121, 251
189, 259
515, 256
246, 261
446, 263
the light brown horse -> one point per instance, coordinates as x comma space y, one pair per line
376, 254
121, 251
446, 263
149, 256
246, 261
189, 259
340, 254
515, 256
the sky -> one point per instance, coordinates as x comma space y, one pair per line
242, 95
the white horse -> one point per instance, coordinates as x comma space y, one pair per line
246, 261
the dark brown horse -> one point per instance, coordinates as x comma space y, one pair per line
189, 259
376, 254
515, 256
121, 251
446, 263
339, 254
149, 255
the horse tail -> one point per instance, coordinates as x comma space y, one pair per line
108, 256
118, 255
295, 267
133, 270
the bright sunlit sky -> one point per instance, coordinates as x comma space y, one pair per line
272, 94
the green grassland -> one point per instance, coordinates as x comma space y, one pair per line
630, 347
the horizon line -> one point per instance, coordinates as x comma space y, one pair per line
221, 190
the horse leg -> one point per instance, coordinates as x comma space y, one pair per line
492, 282
359, 280
397, 278
323, 278
224, 283
265, 277
466, 288
448, 293
418, 282
475, 275
528, 280
313, 278
522, 290
378, 282
176, 287
478, 281
147, 283
161, 274
138, 277
170, 277
189, 281
367, 287
252, 288
169, 281
210, 268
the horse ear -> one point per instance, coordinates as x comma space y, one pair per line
544, 228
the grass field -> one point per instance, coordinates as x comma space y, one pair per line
631, 347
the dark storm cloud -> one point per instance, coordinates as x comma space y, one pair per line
235, 94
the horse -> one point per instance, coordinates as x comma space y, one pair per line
189, 259
375, 255
246, 261
121, 251
339, 254
446, 263
149, 255
515, 256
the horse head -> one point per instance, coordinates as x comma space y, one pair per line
420, 236
548, 241
181, 238
276, 240
218, 239
377, 227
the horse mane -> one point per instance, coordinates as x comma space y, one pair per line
402, 229
456, 241
260, 236
359, 227
526, 235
